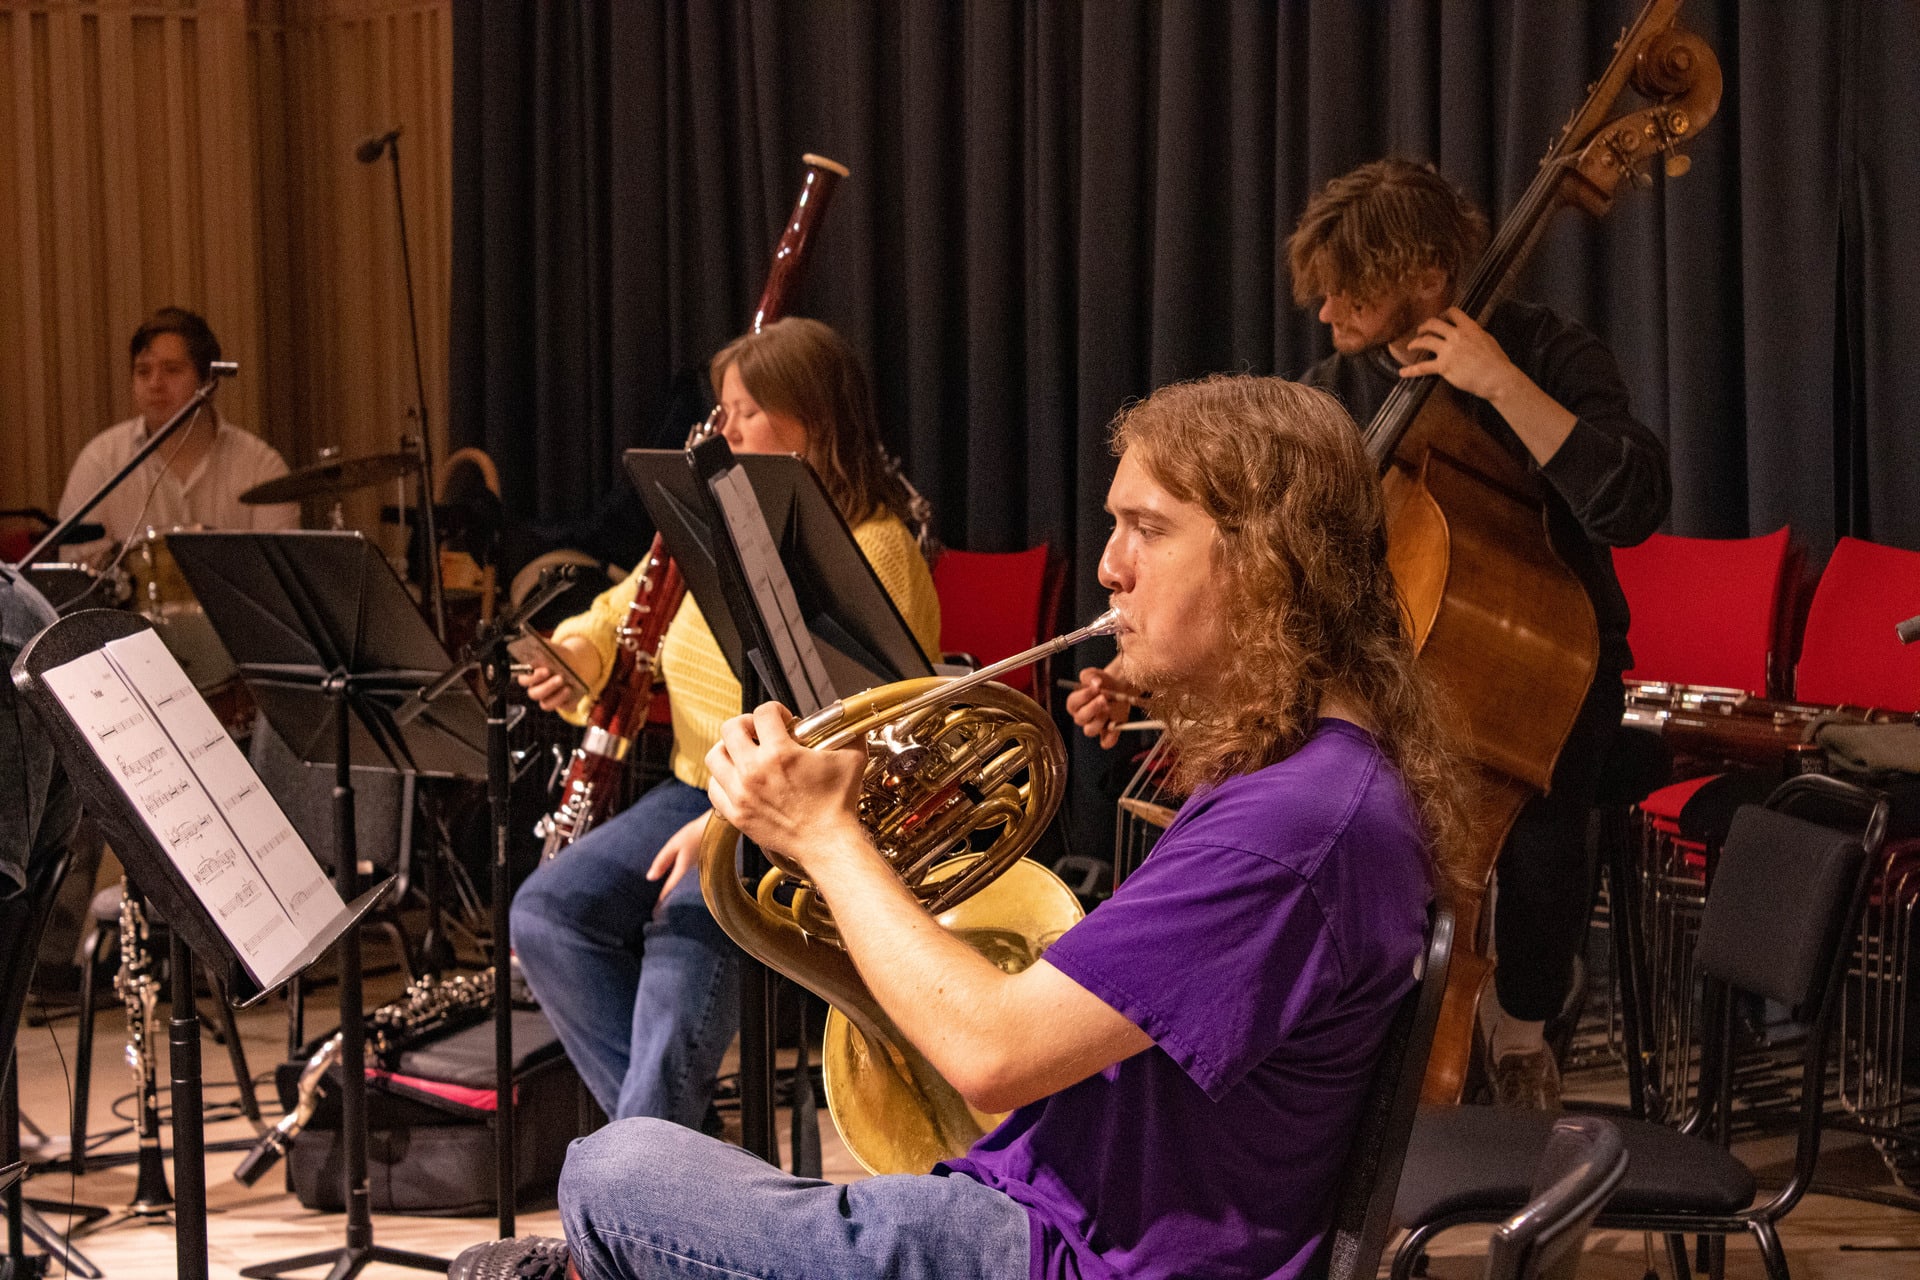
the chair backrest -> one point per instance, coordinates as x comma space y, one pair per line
1848, 652
1363, 1204
1706, 611
1782, 903
1584, 1160
1777, 906
996, 604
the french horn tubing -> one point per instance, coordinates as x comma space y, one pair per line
952, 762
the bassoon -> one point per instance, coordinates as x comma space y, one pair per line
592, 783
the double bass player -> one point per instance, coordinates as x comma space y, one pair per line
1385, 250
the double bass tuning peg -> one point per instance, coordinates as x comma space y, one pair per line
1673, 126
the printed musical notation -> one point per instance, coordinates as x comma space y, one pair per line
214, 863
196, 792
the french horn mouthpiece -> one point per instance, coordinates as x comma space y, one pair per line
823, 720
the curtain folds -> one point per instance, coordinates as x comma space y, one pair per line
1057, 206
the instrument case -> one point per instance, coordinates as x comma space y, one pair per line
430, 1143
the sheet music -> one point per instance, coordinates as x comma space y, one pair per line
773, 591
188, 781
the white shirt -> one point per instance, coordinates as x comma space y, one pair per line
154, 497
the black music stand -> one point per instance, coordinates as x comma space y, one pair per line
488, 653
841, 607
195, 930
331, 645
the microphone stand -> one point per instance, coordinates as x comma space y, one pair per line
489, 652
390, 144
218, 370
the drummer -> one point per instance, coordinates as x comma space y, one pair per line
196, 478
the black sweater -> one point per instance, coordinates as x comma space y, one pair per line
1606, 486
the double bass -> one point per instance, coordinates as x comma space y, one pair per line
1501, 623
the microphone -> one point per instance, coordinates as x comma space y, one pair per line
1908, 631
375, 147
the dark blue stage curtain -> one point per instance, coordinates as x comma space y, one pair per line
1057, 206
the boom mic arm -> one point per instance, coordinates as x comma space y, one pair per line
376, 146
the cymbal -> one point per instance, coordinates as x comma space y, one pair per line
336, 476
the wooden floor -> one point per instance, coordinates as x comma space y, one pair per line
1826, 1237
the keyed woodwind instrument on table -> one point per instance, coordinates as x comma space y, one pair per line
592, 783
946, 758
1711, 723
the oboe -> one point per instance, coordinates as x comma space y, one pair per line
140, 990
593, 773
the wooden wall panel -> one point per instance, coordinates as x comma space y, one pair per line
200, 152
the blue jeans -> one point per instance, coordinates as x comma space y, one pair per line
643, 994
641, 1198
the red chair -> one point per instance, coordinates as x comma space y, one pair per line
1849, 653
994, 605
1707, 611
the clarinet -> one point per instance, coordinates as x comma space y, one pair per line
427, 1006
137, 987
592, 782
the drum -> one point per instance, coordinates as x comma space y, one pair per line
162, 596
78, 586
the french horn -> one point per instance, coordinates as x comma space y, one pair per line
952, 764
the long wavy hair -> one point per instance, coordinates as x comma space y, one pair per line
1312, 608
805, 370
1367, 231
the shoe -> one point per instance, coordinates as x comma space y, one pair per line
521, 1258
1530, 1080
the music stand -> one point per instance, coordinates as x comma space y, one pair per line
330, 644
836, 608
195, 926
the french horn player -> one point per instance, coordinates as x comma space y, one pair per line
1184, 1066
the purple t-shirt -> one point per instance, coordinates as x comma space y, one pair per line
1263, 946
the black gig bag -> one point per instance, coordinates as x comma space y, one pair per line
430, 1142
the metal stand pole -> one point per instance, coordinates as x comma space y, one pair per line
498, 669
189, 1122
360, 1250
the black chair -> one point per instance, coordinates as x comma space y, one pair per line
1780, 909
1584, 1161
1363, 1204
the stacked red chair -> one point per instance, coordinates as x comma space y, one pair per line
1707, 614
1851, 658
996, 604
1708, 630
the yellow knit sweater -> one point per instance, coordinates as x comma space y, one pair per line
702, 688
